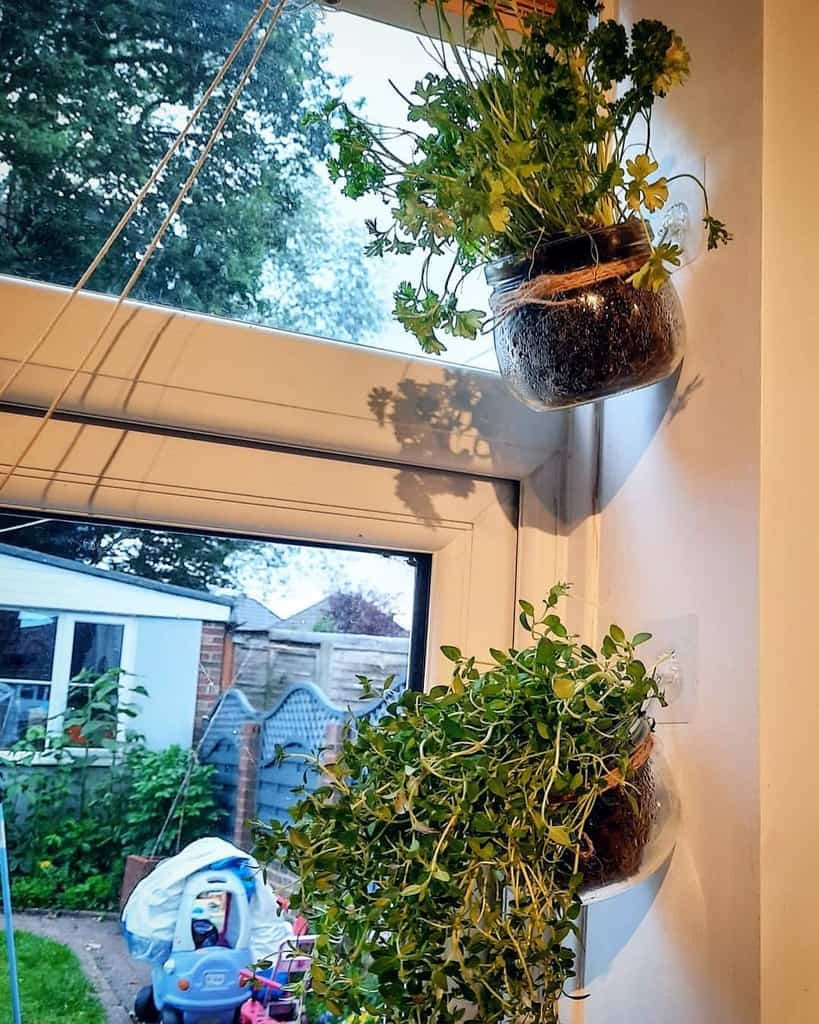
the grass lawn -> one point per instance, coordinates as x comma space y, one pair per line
53, 989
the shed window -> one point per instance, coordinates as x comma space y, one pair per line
27, 640
96, 649
27, 645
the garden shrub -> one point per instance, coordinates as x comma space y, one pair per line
73, 822
155, 779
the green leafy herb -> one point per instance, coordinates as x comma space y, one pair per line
443, 856
513, 140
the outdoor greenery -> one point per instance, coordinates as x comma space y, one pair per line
516, 139
92, 92
442, 860
199, 561
53, 987
72, 822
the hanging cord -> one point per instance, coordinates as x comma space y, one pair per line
137, 202
157, 238
182, 792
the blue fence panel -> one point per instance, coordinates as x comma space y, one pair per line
220, 746
301, 726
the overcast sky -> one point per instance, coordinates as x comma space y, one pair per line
370, 55
310, 573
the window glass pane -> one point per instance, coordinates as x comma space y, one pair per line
97, 648
93, 95
291, 631
22, 706
26, 644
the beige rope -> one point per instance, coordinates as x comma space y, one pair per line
611, 780
640, 756
189, 181
129, 213
539, 291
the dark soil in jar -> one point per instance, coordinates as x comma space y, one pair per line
601, 340
617, 835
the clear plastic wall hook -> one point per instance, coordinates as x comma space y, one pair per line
675, 226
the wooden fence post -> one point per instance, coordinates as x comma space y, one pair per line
247, 782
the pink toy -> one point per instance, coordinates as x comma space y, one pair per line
278, 991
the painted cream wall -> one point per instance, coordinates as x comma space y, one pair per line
663, 535
790, 494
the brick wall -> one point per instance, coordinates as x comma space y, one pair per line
213, 659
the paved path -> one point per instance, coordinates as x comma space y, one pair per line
99, 945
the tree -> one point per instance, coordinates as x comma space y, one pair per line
93, 91
354, 612
202, 562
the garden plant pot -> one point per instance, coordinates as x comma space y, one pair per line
587, 343
136, 868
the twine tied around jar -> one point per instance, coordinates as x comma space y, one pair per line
539, 290
615, 778
641, 754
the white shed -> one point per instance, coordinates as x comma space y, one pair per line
58, 617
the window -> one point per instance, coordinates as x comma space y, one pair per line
265, 236
27, 640
153, 625
97, 648
96, 658
26, 644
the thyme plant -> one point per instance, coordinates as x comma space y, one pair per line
515, 139
442, 859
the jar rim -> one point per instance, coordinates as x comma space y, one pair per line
564, 252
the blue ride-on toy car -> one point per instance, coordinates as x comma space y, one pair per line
198, 983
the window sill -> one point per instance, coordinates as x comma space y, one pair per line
98, 756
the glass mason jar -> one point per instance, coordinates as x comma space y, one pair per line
591, 342
632, 830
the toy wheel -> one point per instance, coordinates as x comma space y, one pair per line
145, 1007
170, 1015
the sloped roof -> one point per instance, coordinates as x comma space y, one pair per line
251, 616
40, 558
308, 617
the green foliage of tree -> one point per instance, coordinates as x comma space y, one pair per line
199, 561
93, 92
350, 611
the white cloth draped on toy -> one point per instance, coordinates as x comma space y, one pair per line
149, 917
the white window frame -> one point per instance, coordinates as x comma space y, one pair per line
60, 679
171, 481
62, 663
